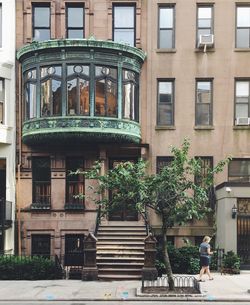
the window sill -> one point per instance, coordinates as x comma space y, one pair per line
242, 50
201, 50
241, 127
165, 50
165, 127
201, 127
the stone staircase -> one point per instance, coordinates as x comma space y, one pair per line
120, 251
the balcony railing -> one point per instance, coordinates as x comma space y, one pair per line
5, 213
42, 196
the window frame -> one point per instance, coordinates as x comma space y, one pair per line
2, 102
169, 6
67, 27
35, 239
113, 19
36, 5
204, 5
241, 5
210, 104
165, 159
235, 96
172, 81
210, 159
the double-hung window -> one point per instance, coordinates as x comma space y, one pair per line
41, 22
243, 27
203, 108
165, 103
124, 24
75, 21
162, 162
2, 101
242, 99
166, 33
204, 21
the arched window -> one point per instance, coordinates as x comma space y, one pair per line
78, 90
105, 91
51, 91
30, 94
130, 101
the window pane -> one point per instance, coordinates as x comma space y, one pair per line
166, 17
84, 97
127, 95
45, 98
239, 170
2, 91
243, 16
203, 32
1, 113
75, 34
242, 89
165, 114
204, 12
72, 96
241, 110
42, 34
242, 38
203, 92
32, 100
124, 36
166, 39
100, 97
56, 96
111, 99
41, 16
75, 17
203, 114
165, 92
124, 16
204, 23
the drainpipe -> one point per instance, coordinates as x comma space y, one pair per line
19, 160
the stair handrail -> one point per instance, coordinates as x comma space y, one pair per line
98, 220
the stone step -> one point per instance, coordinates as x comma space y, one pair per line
114, 233
119, 270
119, 237
120, 252
119, 277
119, 247
120, 265
118, 258
118, 228
120, 243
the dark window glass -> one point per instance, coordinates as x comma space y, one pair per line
239, 170
165, 103
130, 98
106, 91
203, 103
78, 89
243, 27
41, 180
41, 22
2, 100
242, 109
206, 165
74, 250
166, 28
75, 21
51, 91
74, 183
124, 24
204, 21
162, 162
40, 245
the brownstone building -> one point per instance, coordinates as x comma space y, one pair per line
119, 80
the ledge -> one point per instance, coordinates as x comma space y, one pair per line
165, 127
36, 46
242, 50
241, 127
166, 50
6, 133
203, 127
55, 130
201, 50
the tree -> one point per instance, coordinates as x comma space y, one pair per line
172, 193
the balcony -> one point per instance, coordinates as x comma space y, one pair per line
80, 91
5, 214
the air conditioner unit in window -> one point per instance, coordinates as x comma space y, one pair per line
242, 121
206, 40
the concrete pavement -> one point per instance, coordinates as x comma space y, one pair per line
222, 288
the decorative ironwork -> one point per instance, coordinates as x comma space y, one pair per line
244, 206
80, 128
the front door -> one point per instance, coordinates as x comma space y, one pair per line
74, 250
124, 211
243, 231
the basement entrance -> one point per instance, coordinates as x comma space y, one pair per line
124, 211
243, 232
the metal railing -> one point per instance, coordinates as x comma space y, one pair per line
180, 281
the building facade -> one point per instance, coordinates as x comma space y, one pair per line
7, 126
119, 80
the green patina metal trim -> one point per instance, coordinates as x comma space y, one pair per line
54, 129
80, 43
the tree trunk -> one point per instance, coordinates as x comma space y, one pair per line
166, 257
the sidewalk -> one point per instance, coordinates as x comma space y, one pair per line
222, 288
